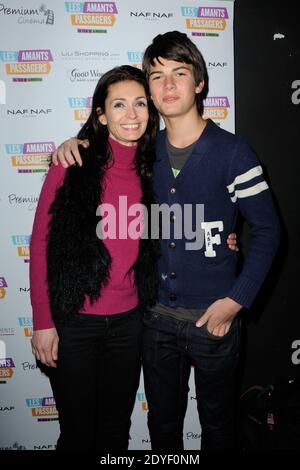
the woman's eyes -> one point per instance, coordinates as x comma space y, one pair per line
119, 105
139, 104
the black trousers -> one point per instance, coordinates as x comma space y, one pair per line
96, 380
170, 346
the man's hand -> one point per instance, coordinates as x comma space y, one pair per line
219, 316
231, 242
68, 154
44, 346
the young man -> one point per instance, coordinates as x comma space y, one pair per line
196, 318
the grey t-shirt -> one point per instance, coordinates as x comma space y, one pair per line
177, 158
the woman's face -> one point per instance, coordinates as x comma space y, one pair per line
126, 112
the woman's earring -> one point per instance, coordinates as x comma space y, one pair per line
102, 120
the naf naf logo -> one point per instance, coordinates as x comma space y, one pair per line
216, 108
30, 157
141, 398
151, 15
28, 112
7, 367
216, 65
81, 108
26, 325
24, 290
92, 17
41, 15
44, 447
22, 243
3, 287
43, 409
135, 58
146, 440
29, 65
204, 20
6, 409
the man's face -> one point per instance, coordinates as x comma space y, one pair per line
173, 88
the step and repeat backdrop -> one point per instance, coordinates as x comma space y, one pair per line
51, 56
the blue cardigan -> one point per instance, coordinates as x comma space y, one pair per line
225, 176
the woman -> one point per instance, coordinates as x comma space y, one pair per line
87, 294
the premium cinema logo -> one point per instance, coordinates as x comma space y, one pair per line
16, 200
7, 366
135, 58
40, 15
30, 157
7, 331
3, 287
205, 21
81, 108
22, 243
26, 325
29, 65
92, 17
43, 409
216, 108
14, 446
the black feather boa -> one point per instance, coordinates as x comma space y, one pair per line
78, 262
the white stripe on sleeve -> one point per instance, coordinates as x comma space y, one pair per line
249, 175
252, 191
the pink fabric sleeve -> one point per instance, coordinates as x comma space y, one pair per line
41, 313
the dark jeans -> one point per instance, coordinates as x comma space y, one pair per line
170, 346
95, 383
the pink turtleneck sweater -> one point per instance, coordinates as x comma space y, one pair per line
119, 295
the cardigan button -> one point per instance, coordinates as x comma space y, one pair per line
172, 245
172, 275
173, 297
172, 217
173, 190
